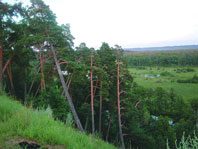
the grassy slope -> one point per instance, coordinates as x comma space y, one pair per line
17, 121
187, 90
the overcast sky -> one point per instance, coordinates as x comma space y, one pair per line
128, 23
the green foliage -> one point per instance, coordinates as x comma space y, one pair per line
186, 142
52, 97
167, 58
194, 79
184, 70
158, 116
165, 73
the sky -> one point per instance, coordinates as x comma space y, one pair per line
128, 23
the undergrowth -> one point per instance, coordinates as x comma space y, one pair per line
186, 142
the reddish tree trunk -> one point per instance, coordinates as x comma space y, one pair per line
118, 97
10, 78
33, 81
100, 112
78, 123
1, 67
41, 65
67, 84
92, 100
95, 88
6, 64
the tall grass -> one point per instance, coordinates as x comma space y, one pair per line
17, 121
186, 142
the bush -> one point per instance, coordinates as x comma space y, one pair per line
185, 70
165, 73
194, 79
190, 70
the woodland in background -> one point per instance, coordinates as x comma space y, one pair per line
95, 80
163, 58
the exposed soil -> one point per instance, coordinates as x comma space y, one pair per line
28, 144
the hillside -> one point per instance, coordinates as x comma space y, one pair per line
19, 124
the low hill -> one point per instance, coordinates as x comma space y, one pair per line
165, 48
24, 126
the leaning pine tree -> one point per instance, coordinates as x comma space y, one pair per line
78, 123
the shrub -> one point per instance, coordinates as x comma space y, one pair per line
186, 143
166, 73
190, 70
194, 79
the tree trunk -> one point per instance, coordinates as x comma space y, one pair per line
1, 68
197, 119
33, 81
86, 123
78, 123
25, 85
41, 65
10, 77
118, 96
92, 102
96, 86
100, 112
109, 124
6, 64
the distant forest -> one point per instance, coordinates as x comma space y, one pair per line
163, 58
164, 48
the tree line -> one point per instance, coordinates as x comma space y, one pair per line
41, 68
168, 58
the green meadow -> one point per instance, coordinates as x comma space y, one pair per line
167, 77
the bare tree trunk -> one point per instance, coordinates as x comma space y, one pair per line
86, 123
41, 65
25, 84
100, 112
10, 78
33, 81
78, 123
96, 86
109, 124
37, 90
6, 64
118, 96
1, 68
92, 102
67, 84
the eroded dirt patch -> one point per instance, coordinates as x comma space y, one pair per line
27, 144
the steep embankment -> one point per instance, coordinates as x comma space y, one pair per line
20, 124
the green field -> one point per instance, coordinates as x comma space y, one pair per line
166, 77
